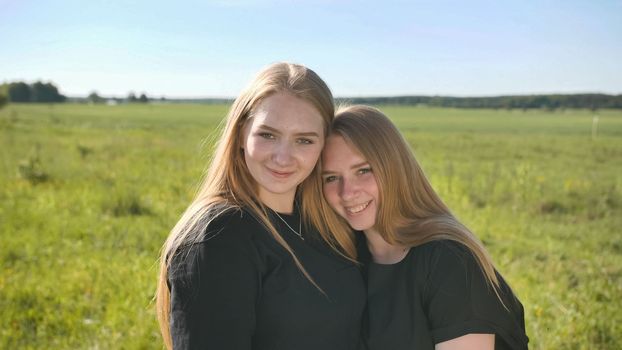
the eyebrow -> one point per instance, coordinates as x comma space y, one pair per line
309, 133
358, 165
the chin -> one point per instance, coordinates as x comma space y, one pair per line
361, 226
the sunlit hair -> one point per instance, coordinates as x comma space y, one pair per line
228, 185
409, 211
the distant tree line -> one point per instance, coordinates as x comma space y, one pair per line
36, 92
589, 101
47, 92
94, 97
40, 92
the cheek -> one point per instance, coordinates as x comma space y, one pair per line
331, 195
311, 155
255, 147
370, 185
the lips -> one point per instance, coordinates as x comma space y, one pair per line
280, 174
357, 208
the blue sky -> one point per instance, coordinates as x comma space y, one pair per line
360, 48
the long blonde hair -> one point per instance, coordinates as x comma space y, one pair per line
228, 185
410, 212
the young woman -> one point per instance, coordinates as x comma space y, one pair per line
245, 266
431, 284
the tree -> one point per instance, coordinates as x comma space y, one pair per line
47, 92
93, 97
131, 97
143, 98
19, 92
4, 95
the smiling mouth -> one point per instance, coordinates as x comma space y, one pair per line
281, 174
358, 208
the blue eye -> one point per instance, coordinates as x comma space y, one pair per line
304, 141
266, 135
329, 179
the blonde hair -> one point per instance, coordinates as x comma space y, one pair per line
228, 185
409, 212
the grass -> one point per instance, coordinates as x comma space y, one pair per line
89, 193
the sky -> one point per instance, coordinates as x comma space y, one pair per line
191, 49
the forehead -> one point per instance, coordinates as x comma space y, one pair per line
286, 112
340, 154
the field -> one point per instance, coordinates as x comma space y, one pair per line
89, 193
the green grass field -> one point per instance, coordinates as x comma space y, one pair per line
89, 193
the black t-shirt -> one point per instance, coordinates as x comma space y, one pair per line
437, 293
237, 288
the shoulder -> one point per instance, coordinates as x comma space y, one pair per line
219, 235
218, 260
447, 268
224, 223
442, 247
443, 255
460, 300
227, 225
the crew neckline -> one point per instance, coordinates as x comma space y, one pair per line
295, 211
389, 266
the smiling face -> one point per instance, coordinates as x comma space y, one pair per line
350, 187
282, 142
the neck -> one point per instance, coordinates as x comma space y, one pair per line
281, 203
383, 252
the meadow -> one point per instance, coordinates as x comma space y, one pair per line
88, 194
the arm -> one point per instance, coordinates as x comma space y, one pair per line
214, 286
469, 342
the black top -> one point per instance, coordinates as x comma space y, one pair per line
237, 288
437, 293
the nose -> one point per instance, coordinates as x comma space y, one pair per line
349, 189
283, 154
